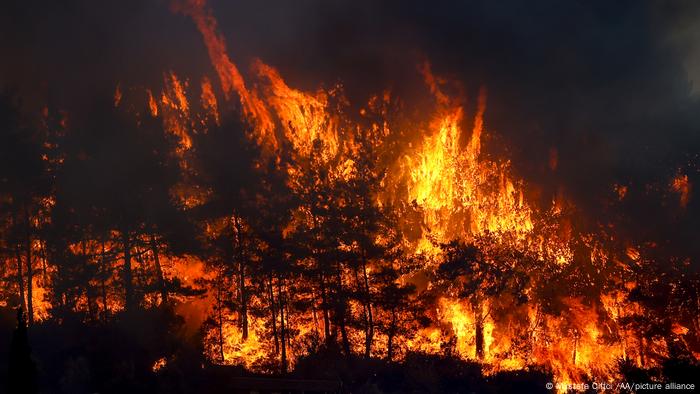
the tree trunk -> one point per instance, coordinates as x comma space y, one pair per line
220, 322
244, 302
159, 272
30, 277
287, 313
103, 282
273, 315
369, 333
20, 278
28, 258
88, 289
44, 261
479, 330
340, 310
344, 334
314, 312
241, 278
324, 308
479, 339
128, 281
283, 333
390, 336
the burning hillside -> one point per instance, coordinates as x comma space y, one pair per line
224, 215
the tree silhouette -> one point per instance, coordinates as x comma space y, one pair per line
225, 166
478, 273
24, 183
22, 370
114, 203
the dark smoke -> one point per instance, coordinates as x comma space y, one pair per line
605, 84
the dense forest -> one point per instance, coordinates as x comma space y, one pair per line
172, 238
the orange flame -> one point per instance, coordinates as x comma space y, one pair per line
681, 185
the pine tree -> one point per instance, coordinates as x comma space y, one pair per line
22, 369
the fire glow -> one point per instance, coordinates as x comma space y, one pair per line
464, 261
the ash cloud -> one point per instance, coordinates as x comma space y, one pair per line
610, 86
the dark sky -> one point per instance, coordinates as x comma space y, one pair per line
609, 85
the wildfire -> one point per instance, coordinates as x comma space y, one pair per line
229, 76
444, 187
176, 108
681, 185
209, 101
462, 194
459, 193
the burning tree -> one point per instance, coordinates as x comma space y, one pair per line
25, 185
472, 274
